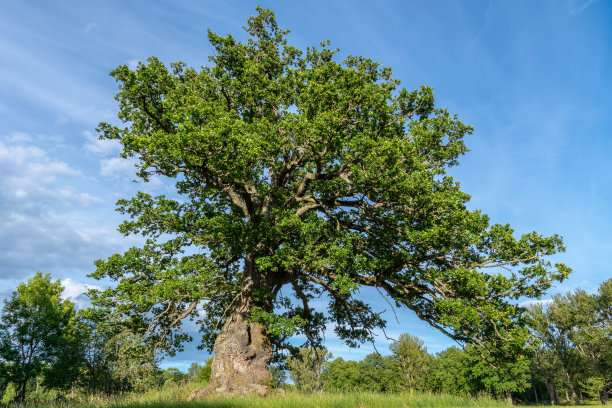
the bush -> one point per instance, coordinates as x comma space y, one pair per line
9, 394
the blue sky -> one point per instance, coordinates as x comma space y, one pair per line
533, 77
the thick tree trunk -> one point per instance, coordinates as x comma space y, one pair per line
242, 354
240, 364
242, 349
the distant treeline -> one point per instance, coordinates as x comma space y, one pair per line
569, 359
49, 350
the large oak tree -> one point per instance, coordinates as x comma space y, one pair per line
298, 175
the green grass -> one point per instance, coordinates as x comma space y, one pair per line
176, 398
354, 400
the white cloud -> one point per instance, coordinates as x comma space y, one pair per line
45, 222
75, 292
90, 27
70, 194
118, 167
28, 167
100, 147
182, 365
18, 137
530, 302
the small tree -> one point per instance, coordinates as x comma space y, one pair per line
552, 327
132, 364
278, 376
65, 366
413, 360
500, 378
380, 373
575, 336
306, 367
192, 372
35, 330
344, 376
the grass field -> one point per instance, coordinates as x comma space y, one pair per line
176, 397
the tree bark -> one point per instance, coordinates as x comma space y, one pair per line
240, 364
603, 395
243, 349
22, 392
552, 391
508, 397
572, 389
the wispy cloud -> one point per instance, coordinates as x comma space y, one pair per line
16, 137
100, 147
578, 6
530, 302
118, 167
490, 16
43, 221
90, 27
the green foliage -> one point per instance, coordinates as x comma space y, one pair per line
277, 325
200, 373
295, 170
306, 367
64, 369
9, 395
343, 376
465, 372
193, 371
382, 373
170, 377
36, 332
509, 376
278, 376
205, 371
133, 365
412, 359
97, 369
114, 360
575, 342
375, 373
447, 373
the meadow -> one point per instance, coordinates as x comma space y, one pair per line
175, 397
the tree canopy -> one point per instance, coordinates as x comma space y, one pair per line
298, 175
